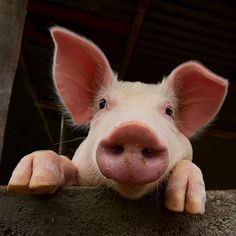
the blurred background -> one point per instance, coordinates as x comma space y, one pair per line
143, 40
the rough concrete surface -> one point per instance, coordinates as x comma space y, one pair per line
90, 211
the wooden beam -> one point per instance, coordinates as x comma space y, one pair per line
233, 86
12, 16
141, 11
226, 134
47, 105
27, 82
63, 14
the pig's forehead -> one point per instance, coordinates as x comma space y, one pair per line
139, 89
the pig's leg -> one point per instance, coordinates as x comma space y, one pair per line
42, 172
186, 189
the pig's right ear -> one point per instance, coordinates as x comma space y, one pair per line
80, 69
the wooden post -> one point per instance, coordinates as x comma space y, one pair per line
141, 11
12, 16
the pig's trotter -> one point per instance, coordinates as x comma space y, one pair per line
42, 172
186, 189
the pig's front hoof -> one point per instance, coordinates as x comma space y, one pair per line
186, 189
42, 172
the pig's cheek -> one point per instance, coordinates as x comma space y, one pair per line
81, 160
84, 159
179, 148
84, 177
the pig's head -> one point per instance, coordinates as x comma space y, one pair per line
138, 131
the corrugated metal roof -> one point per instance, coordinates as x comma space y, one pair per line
176, 31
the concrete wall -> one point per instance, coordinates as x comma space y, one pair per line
89, 211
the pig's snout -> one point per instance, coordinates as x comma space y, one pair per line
132, 155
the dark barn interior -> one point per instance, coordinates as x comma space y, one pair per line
143, 40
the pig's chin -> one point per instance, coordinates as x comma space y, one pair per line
133, 192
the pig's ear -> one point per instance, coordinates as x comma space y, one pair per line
80, 69
200, 94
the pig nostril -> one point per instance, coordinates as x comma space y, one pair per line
117, 149
148, 152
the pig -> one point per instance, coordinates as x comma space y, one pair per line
139, 134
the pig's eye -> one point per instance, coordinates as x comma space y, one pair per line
169, 111
102, 103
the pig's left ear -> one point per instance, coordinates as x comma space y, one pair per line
200, 94
80, 69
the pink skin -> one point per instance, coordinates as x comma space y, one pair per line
42, 172
131, 149
133, 144
185, 189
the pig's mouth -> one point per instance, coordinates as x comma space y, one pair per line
133, 192
134, 157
